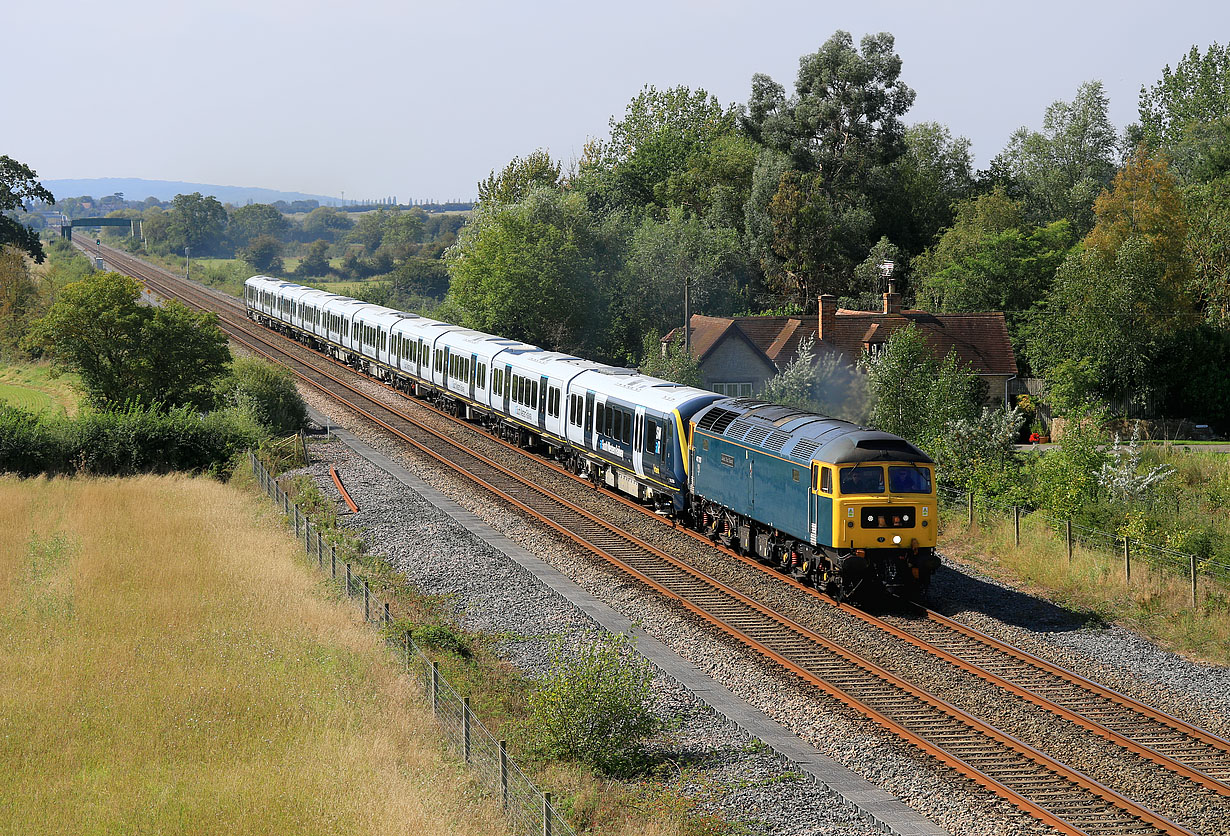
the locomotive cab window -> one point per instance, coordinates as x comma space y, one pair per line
862, 479
826, 479
909, 479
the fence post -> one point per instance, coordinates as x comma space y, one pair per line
367, 602
1192, 559
465, 728
307, 536
348, 579
320, 549
503, 773
408, 651
1067, 524
969, 502
435, 689
333, 561
387, 619
1016, 522
546, 814
1127, 560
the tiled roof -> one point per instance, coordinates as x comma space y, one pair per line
979, 339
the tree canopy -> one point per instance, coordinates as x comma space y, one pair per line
18, 184
129, 353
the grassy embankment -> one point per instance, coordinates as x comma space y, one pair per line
1157, 601
171, 666
31, 387
648, 804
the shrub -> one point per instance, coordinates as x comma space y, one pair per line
594, 707
267, 392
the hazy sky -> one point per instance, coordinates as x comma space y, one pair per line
376, 98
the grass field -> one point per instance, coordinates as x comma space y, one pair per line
30, 386
171, 666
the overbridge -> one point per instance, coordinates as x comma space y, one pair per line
133, 224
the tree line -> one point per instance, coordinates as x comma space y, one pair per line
1107, 253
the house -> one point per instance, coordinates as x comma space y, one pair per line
738, 354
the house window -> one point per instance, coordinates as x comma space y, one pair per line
734, 389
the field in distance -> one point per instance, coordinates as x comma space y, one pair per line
31, 387
172, 666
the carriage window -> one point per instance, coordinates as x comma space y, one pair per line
627, 434
826, 479
862, 479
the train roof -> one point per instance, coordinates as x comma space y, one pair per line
801, 435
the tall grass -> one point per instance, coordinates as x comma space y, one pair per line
1156, 601
170, 666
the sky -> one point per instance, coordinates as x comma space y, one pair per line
379, 98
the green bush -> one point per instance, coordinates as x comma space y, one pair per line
124, 442
594, 707
267, 392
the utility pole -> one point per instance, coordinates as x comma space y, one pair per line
187, 262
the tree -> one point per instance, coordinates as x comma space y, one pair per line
264, 253
934, 173
314, 262
18, 297
197, 222
670, 362
916, 395
19, 183
519, 177
826, 144
1207, 248
657, 155
325, 222
1059, 171
126, 352
253, 221
420, 277
664, 256
1197, 90
1101, 330
533, 270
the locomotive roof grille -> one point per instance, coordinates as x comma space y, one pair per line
716, 420
804, 449
776, 441
756, 435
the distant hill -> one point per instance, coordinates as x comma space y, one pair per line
136, 189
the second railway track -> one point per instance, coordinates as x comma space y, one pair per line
1054, 793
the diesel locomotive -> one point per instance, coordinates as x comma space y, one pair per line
848, 509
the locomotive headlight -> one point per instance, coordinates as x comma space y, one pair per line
897, 540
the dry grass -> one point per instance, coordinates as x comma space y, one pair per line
1156, 603
170, 666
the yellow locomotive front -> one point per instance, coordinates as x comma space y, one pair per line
884, 522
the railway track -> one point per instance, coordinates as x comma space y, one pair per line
1055, 794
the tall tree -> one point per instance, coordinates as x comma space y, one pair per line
127, 352
533, 270
925, 183
18, 184
836, 135
1059, 171
517, 178
196, 221
1196, 90
253, 221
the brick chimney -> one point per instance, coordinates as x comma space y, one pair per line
828, 317
892, 299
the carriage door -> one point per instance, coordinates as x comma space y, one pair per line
813, 504
638, 441
473, 374
542, 403
590, 441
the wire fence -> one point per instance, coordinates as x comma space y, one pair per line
1131, 552
528, 809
